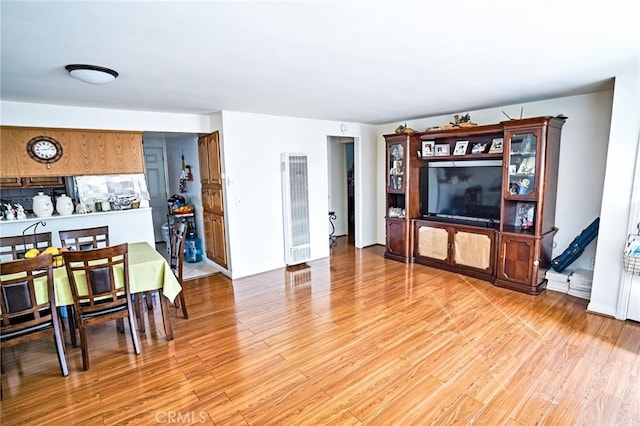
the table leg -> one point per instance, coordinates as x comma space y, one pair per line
166, 317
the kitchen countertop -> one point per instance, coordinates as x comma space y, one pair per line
34, 218
132, 225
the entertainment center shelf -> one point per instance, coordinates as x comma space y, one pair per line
501, 176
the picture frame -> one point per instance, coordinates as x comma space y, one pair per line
396, 212
479, 147
525, 215
496, 146
427, 148
461, 148
441, 149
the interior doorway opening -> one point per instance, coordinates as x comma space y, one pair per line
342, 186
351, 205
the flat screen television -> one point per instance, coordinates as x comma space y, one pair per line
461, 191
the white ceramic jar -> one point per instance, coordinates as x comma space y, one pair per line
42, 205
64, 205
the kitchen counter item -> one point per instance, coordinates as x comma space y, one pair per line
64, 205
42, 205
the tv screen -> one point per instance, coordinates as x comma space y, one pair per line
469, 189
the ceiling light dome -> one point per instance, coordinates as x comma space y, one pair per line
92, 74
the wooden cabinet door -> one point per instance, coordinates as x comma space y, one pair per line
216, 202
43, 181
516, 260
203, 159
122, 152
433, 242
219, 240
522, 164
473, 249
213, 152
396, 238
8, 182
209, 245
207, 201
212, 200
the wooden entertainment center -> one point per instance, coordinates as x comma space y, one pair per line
505, 233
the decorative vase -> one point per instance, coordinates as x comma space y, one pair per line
64, 205
42, 205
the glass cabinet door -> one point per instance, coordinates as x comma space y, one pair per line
522, 165
395, 165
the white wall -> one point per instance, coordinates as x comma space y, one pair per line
187, 146
252, 147
43, 115
616, 222
583, 150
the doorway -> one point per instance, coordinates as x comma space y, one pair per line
154, 160
342, 193
351, 206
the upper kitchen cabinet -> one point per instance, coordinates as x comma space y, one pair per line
209, 155
28, 151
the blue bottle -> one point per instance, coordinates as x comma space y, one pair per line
193, 248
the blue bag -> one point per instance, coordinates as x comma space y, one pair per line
577, 246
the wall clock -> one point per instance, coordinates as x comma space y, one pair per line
44, 149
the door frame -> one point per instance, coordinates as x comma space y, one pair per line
336, 160
158, 143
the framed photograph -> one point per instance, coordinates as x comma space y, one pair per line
442, 149
461, 148
479, 148
396, 212
496, 146
525, 215
427, 148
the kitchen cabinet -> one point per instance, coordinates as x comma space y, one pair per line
84, 152
33, 182
215, 241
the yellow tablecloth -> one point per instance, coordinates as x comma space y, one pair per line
148, 270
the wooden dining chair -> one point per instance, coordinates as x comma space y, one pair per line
99, 281
176, 263
86, 238
14, 248
23, 318
177, 260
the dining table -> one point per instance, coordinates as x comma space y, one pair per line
148, 271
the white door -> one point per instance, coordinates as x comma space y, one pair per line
157, 186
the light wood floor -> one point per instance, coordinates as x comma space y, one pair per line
355, 339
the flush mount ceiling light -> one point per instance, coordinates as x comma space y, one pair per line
91, 74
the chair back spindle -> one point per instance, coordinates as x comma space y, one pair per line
87, 238
14, 248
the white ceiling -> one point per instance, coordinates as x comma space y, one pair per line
360, 61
